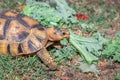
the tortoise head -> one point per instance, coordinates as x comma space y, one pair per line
55, 34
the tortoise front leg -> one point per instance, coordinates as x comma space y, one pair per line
47, 59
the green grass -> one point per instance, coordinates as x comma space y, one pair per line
22, 68
117, 76
10, 4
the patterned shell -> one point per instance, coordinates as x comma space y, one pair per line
20, 34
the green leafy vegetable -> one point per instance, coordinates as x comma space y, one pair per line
67, 13
42, 12
64, 54
49, 16
87, 47
112, 49
64, 41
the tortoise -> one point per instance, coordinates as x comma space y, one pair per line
22, 35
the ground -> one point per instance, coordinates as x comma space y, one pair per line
105, 72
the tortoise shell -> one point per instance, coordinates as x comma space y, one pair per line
20, 34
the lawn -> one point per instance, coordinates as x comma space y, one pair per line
92, 52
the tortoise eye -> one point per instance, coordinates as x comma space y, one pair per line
64, 33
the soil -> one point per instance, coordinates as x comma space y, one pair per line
107, 71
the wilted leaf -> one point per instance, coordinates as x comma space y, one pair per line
88, 68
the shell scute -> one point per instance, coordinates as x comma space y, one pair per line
35, 41
17, 32
3, 47
10, 14
2, 23
14, 48
31, 22
25, 48
31, 46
